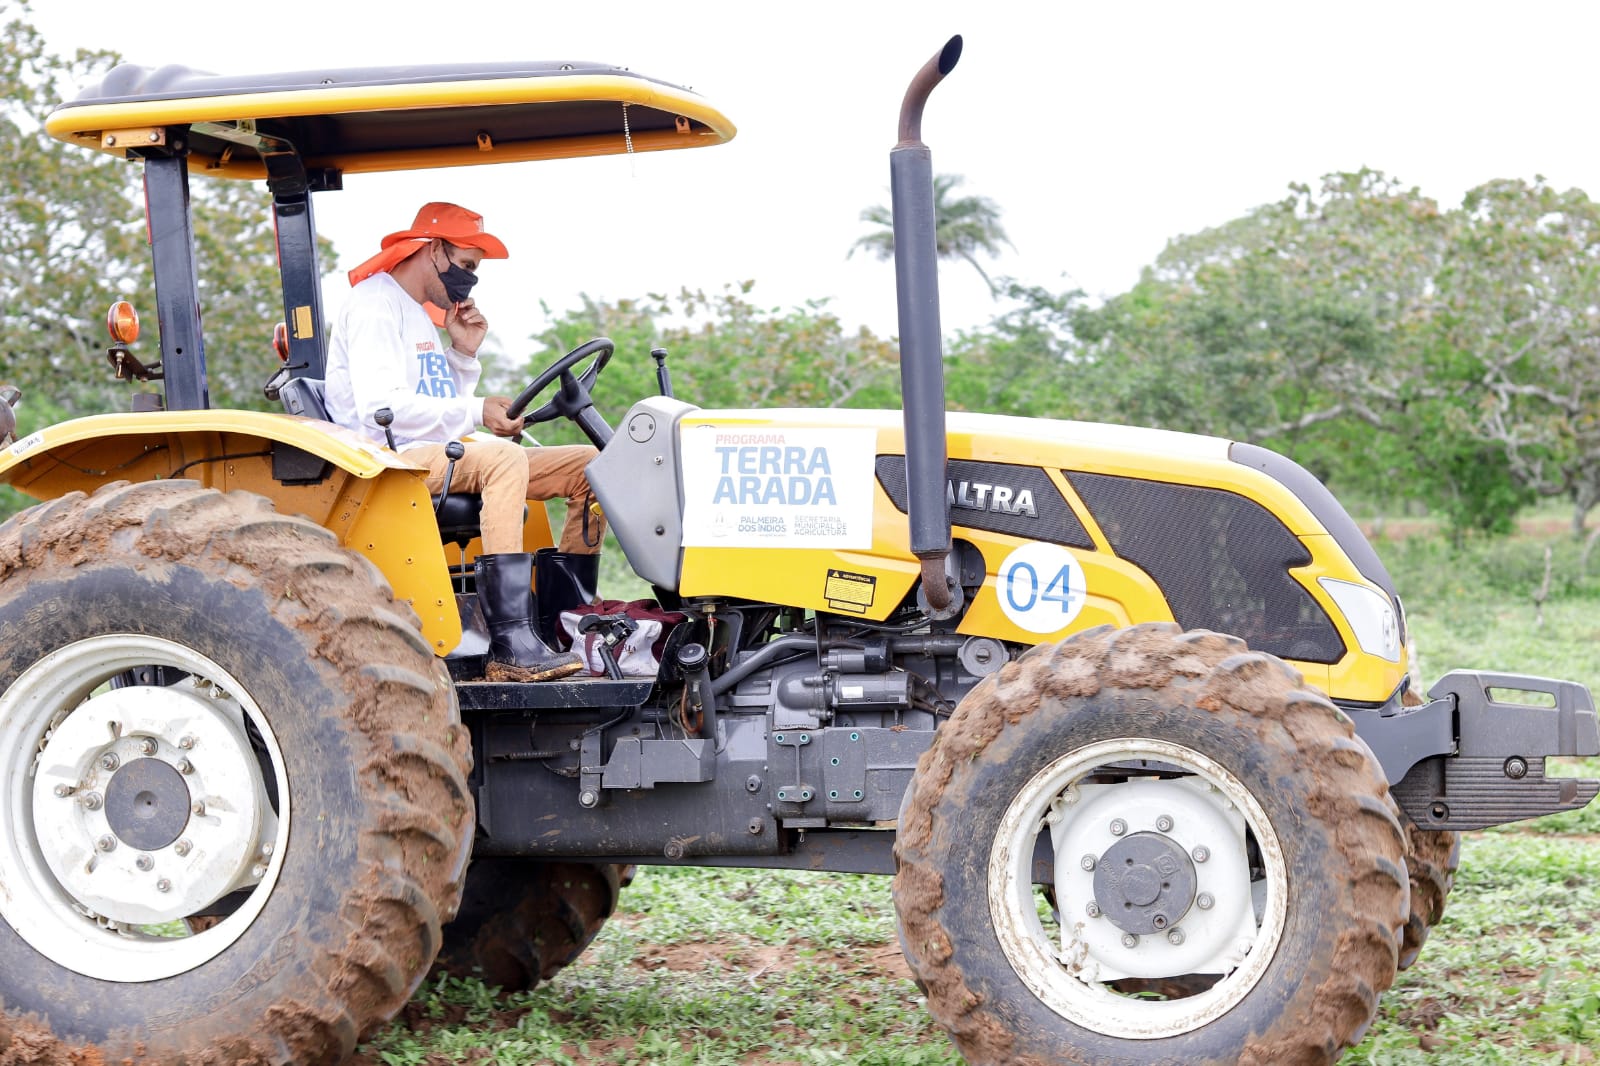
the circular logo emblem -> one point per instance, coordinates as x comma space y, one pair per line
1042, 587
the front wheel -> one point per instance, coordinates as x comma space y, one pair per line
1229, 879
233, 804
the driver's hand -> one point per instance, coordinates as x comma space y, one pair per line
467, 327
495, 419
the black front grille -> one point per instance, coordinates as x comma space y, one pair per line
1221, 561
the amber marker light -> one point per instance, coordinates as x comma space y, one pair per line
122, 322
280, 341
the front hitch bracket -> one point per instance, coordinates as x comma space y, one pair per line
1474, 755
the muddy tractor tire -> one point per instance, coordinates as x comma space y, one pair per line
521, 922
1432, 857
233, 802
1228, 865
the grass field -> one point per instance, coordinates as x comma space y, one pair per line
736, 968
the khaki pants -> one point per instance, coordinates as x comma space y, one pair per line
507, 475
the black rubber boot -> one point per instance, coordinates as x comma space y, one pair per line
565, 580
515, 652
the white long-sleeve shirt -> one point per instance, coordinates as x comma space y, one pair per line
384, 352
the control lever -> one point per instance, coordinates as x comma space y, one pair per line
452, 451
663, 376
385, 418
615, 628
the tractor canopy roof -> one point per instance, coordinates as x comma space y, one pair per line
359, 120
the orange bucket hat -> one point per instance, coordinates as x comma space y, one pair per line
450, 222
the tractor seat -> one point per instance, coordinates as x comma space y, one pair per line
458, 518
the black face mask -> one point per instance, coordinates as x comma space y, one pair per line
457, 281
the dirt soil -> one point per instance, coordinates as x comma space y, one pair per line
753, 961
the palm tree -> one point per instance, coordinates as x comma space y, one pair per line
962, 228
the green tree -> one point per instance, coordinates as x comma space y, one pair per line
1312, 325
1520, 317
964, 226
724, 352
1025, 362
71, 236
72, 240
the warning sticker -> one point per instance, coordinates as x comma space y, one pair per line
846, 591
777, 487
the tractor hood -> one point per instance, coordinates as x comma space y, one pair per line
359, 120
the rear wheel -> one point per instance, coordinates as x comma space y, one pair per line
1228, 868
521, 922
233, 805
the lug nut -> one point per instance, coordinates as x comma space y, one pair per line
109, 761
186, 743
106, 843
1129, 940
1087, 862
144, 862
266, 849
198, 808
163, 885
148, 746
1201, 853
64, 790
91, 801
1204, 901
1118, 827
1174, 935
1093, 909
1164, 823
182, 848
185, 766
258, 871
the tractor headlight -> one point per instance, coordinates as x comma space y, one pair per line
1370, 614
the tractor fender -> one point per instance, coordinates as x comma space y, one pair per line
373, 500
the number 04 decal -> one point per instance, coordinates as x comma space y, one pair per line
1042, 587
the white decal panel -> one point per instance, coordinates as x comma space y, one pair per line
777, 486
1042, 587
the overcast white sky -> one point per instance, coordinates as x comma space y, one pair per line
1101, 129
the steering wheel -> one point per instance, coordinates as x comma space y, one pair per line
574, 400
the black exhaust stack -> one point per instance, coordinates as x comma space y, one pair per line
916, 265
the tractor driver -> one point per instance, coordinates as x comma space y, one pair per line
385, 352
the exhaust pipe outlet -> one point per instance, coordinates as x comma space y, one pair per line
916, 265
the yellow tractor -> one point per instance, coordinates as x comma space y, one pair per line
1125, 712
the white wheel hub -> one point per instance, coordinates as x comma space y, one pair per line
149, 805
1212, 921
1182, 875
125, 809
